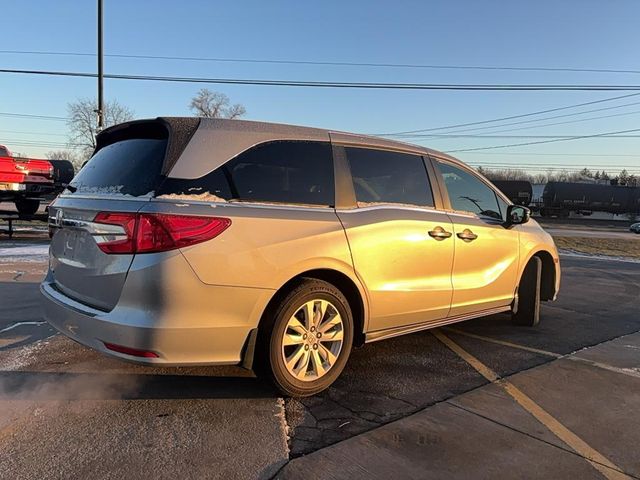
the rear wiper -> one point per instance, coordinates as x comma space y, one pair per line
71, 188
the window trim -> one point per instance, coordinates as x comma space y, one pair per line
345, 193
435, 159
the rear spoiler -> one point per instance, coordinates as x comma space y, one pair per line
177, 130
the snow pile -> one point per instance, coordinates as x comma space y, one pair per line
16, 252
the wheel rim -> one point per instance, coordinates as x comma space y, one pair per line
312, 340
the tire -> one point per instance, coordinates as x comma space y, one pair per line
63, 171
320, 361
27, 207
527, 312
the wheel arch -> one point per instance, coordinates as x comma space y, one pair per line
548, 279
352, 291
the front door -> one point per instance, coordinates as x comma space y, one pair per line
485, 264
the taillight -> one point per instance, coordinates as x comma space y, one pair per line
114, 241
155, 232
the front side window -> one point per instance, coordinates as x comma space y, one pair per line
468, 193
381, 176
290, 172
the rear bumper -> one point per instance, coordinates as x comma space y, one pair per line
17, 191
213, 332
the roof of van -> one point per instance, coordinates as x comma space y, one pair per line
301, 131
218, 140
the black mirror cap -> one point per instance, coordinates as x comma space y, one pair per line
517, 215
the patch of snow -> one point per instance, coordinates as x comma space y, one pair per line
25, 250
17, 252
284, 428
110, 190
24, 356
590, 256
200, 197
107, 189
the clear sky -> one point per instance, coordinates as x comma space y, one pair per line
568, 33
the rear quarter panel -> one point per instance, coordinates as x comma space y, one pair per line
266, 245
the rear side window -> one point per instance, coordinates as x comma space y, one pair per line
389, 177
468, 193
288, 172
128, 167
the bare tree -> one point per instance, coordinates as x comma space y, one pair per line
539, 178
215, 105
506, 174
83, 122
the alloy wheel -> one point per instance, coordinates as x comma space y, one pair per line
312, 340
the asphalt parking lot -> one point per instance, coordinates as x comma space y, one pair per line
68, 412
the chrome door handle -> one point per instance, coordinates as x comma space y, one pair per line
467, 235
439, 233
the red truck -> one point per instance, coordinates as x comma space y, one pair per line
25, 181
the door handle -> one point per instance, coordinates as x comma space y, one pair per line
467, 235
439, 233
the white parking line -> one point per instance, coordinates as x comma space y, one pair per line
19, 324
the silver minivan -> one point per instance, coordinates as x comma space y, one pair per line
187, 241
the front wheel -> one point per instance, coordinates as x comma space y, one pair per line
306, 343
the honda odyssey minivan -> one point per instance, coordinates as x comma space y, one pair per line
187, 241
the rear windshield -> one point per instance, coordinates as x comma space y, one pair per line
128, 167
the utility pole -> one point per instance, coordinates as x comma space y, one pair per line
100, 110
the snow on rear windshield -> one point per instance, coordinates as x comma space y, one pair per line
129, 167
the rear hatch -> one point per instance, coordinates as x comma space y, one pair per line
129, 163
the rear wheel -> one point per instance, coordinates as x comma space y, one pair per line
27, 207
527, 312
306, 343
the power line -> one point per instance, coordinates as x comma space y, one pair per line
533, 121
447, 135
564, 154
330, 63
530, 114
501, 163
323, 84
33, 133
599, 117
25, 115
577, 137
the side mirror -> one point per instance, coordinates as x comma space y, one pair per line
517, 215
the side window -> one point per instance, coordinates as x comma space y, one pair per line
381, 176
289, 172
468, 193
